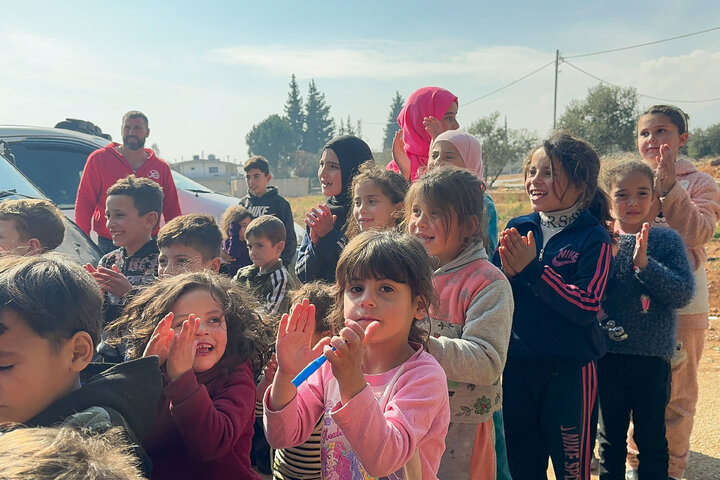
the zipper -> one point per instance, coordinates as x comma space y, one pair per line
540, 256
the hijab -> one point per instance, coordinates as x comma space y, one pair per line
469, 148
351, 152
424, 102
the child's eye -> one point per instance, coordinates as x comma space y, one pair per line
4, 368
355, 289
215, 320
386, 289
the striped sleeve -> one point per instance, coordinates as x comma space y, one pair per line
279, 283
301, 462
578, 298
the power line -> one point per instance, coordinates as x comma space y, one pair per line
644, 44
508, 85
640, 94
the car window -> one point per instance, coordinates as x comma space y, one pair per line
54, 167
10, 179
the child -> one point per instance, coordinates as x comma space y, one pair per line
558, 261
381, 396
325, 233
378, 196
133, 210
428, 112
303, 461
470, 328
50, 320
208, 337
462, 150
262, 199
67, 454
267, 276
189, 243
30, 226
688, 201
234, 248
652, 278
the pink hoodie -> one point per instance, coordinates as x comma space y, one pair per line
469, 148
424, 102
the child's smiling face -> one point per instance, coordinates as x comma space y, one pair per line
329, 173
655, 129
212, 330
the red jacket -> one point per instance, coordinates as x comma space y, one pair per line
204, 426
106, 166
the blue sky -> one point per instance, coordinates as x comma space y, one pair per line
206, 72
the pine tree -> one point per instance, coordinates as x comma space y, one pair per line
349, 127
392, 125
319, 125
294, 112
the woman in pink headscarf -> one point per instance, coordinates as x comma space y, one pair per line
428, 112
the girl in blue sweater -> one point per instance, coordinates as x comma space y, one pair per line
653, 277
558, 261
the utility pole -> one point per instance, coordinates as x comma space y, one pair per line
557, 65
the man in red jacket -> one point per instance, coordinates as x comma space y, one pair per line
107, 165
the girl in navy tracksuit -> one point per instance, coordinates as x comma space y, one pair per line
558, 260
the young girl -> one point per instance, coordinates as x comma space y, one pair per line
378, 196
652, 278
558, 260
470, 328
382, 396
325, 234
462, 150
428, 112
205, 331
688, 201
234, 248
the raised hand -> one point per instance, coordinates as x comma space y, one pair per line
293, 346
161, 339
665, 175
433, 127
346, 359
267, 377
400, 156
321, 221
181, 356
516, 251
640, 258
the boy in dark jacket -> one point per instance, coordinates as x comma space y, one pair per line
265, 200
50, 320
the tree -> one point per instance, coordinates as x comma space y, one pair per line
273, 139
605, 118
392, 125
502, 147
704, 142
294, 112
347, 128
319, 127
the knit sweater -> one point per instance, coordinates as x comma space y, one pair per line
644, 303
470, 332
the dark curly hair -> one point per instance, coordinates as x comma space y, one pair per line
249, 336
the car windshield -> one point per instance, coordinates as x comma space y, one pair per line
12, 180
181, 181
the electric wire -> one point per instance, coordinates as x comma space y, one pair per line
643, 44
508, 85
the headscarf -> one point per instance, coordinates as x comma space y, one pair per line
351, 152
424, 102
469, 148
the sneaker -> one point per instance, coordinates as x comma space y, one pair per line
631, 475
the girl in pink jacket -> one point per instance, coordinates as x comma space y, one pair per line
382, 397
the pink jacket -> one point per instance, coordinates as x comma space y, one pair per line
398, 422
691, 208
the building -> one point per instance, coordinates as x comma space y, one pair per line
215, 174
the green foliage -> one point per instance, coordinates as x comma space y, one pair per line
392, 125
294, 112
348, 128
319, 127
605, 118
273, 139
503, 148
704, 142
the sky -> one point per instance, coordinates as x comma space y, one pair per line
206, 72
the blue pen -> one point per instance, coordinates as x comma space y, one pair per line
309, 370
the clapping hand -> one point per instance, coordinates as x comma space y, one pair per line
516, 251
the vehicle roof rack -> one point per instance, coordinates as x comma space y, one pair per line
83, 126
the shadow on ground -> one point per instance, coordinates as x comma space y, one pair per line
702, 467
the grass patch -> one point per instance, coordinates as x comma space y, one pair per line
300, 205
509, 204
